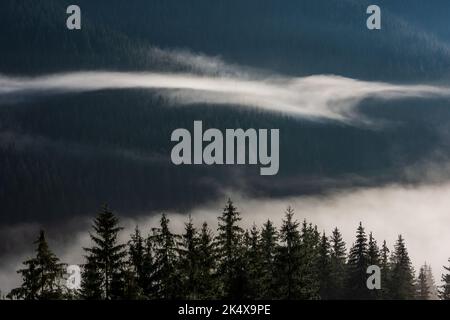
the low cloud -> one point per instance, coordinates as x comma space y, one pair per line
320, 96
420, 214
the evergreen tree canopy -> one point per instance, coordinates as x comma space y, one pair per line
105, 259
422, 288
445, 289
166, 246
136, 274
207, 264
358, 261
385, 268
338, 257
307, 264
253, 262
288, 258
230, 249
42, 277
189, 259
401, 284
324, 268
294, 262
268, 250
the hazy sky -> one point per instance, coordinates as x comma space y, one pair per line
420, 214
304, 62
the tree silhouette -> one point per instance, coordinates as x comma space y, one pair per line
385, 269
294, 262
358, 261
189, 259
445, 289
207, 264
268, 251
166, 245
401, 285
288, 257
42, 277
136, 274
338, 259
324, 268
105, 259
230, 249
422, 290
253, 262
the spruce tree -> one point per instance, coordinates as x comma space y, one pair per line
149, 269
42, 277
373, 255
338, 258
324, 268
253, 263
357, 267
445, 288
422, 288
91, 280
385, 269
136, 252
373, 251
167, 278
434, 292
268, 250
230, 249
105, 259
207, 264
309, 283
189, 259
135, 275
288, 258
401, 285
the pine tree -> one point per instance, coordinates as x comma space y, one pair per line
189, 258
167, 278
385, 269
105, 259
207, 279
309, 284
91, 280
288, 258
130, 288
338, 265
357, 267
136, 252
324, 268
373, 255
135, 275
253, 263
42, 277
268, 250
401, 285
373, 251
422, 288
231, 252
445, 288
149, 269
434, 293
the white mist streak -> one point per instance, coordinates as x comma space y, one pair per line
320, 96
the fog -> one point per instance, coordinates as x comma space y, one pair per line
420, 214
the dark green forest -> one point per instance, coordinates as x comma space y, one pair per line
295, 261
